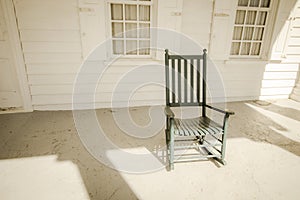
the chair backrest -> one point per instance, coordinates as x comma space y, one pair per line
185, 80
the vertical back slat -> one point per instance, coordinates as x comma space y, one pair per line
192, 81
198, 80
179, 80
204, 84
173, 80
167, 77
185, 81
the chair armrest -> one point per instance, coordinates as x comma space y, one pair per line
226, 112
169, 112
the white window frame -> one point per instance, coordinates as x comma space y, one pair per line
267, 34
110, 21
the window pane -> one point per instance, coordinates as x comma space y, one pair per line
265, 3
243, 3
144, 30
117, 30
235, 48
248, 32
255, 51
237, 33
245, 48
262, 17
251, 15
131, 30
258, 34
130, 12
144, 13
240, 17
118, 46
131, 47
254, 3
116, 11
144, 48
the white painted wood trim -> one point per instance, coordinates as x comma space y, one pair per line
18, 59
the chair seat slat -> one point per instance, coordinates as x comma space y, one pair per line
195, 127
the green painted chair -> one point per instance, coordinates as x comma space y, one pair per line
185, 77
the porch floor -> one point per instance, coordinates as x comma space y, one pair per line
42, 157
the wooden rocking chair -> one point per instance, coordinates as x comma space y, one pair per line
183, 74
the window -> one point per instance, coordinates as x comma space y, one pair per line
250, 28
130, 23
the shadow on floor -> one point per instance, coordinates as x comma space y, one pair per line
54, 133
266, 122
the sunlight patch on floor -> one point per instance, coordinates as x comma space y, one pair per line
274, 174
291, 126
40, 177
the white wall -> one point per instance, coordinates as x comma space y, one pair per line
56, 35
51, 43
248, 79
10, 95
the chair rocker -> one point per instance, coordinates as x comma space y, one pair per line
183, 80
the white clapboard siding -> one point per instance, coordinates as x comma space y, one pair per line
282, 67
294, 41
35, 14
86, 78
277, 83
102, 97
51, 41
52, 58
73, 68
86, 88
257, 79
60, 35
295, 32
56, 35
51, 47
280, 75
277, 91
52, 68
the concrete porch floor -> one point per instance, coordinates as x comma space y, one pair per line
42, 157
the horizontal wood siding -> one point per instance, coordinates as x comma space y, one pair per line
52, 41
52, 45
50, 37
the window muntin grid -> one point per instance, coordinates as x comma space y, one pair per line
130, 23
250, 28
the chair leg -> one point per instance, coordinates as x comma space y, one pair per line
222, 160
171, 160
171, 147
167, 136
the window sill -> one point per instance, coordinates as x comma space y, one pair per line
243, 60
133, 61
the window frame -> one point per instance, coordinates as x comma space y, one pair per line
110, 21
267, 34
